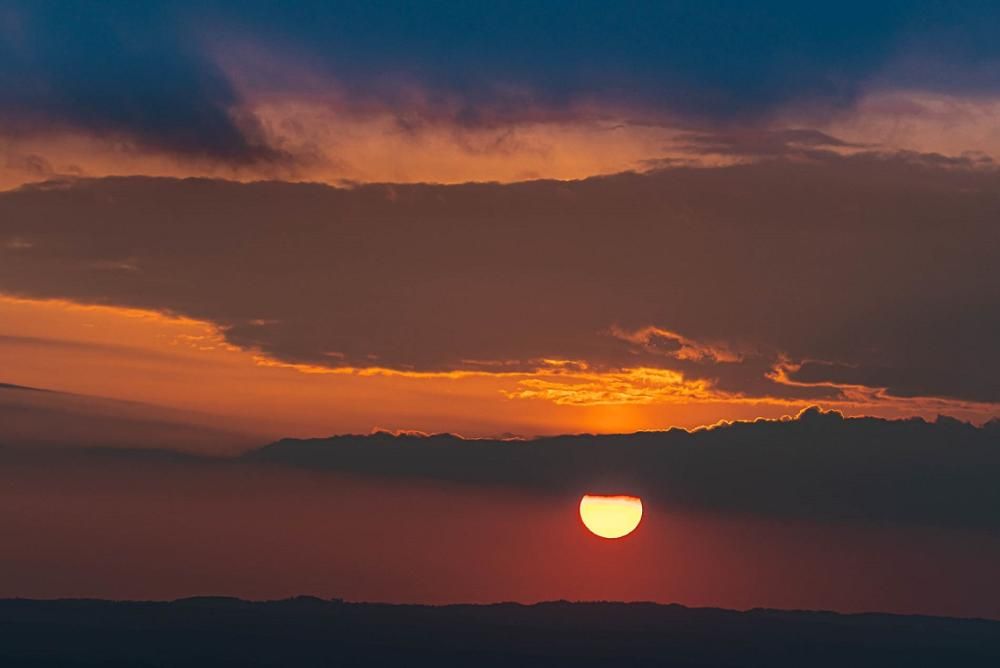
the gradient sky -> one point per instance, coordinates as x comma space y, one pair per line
226, 223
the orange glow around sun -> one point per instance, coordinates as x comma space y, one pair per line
610, 516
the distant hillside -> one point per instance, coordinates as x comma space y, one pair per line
312, 632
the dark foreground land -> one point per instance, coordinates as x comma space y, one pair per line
311, 632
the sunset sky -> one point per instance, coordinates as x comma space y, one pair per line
223, 224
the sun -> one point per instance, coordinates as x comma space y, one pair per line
610, 516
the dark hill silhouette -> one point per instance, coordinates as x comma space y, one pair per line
312, 632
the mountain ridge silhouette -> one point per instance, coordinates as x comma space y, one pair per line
307, 631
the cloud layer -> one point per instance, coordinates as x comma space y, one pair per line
785, 278
256, 88
818, 466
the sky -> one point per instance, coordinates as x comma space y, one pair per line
225, 224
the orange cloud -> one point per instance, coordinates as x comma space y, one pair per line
628, 386
618, 300
653, 339
139, 355
332, 145
327, 137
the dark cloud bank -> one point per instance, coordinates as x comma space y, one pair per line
37, 418
819, 466
123, 71
149, 73
877, 271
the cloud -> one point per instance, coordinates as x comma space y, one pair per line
718, 275
817, 466
758, 143
38, 420
914, 382
190, 81
127, 73
672, 344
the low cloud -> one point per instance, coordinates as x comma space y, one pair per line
818, 466
44, 422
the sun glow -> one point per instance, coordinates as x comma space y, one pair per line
610, 516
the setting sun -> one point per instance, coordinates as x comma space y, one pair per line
610, 516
